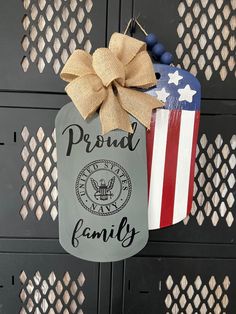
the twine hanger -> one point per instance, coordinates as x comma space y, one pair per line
131, 25
156, 49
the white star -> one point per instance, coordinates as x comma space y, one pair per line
186, 93
174, 78
162, 94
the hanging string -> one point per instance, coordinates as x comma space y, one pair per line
128, 26
141, 27
134, 20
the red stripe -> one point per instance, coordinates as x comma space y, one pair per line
170, 170
193, 157
149, 146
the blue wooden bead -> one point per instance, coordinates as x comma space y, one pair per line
166, 58
151, 40
158, 50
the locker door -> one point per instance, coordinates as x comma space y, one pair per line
37, 37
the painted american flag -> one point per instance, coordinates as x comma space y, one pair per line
171, 146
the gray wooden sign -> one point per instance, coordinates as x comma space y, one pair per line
102, 186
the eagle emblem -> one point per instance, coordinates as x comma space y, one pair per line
103, 190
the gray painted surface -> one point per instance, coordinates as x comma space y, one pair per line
86, 203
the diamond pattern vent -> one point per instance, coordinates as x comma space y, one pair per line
214, 193
53, 30
39, 174
207, 37
197, 296
51, 295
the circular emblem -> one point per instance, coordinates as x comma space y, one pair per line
103, 187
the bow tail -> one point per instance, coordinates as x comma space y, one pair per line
87, 93
112, 115
138, 104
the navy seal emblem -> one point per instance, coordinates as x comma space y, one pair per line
103, 187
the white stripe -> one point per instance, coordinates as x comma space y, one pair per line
158, 164
183, 165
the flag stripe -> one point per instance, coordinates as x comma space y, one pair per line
149, 146
172, 144
157, 168
183, 165
193, 157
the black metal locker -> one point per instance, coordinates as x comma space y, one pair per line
187, 268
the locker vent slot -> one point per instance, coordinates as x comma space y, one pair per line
197, 296
53, 30
214, 186
207, 37
39, 174
51, 294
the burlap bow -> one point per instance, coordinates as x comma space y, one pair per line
105, 80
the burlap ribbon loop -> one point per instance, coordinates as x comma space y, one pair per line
106, 81
108, 67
